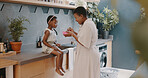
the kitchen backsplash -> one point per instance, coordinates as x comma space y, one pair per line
37, 16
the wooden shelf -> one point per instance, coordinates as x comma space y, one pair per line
40, 3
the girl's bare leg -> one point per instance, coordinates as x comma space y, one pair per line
61, 62
58, 54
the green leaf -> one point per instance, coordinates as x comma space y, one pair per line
16, 27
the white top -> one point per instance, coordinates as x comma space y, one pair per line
51, 39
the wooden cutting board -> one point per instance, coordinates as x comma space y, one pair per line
10, 53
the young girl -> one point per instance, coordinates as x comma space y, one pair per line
49, 45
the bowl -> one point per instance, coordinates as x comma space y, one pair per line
64, 32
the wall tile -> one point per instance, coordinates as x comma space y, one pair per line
51, 11
56, 10
32, 8
1, 6
66, 11
45, 9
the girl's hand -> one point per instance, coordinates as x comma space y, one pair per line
70, 29
58, 45
55, 48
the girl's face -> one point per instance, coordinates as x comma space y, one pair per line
79, 18
53, 23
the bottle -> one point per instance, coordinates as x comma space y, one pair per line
8, 46
0, 39
39, 44
5, 48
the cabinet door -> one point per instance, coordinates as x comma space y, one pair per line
29, 70
38, 76
65, 61
109, 53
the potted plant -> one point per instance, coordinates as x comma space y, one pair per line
16, 29
108, 18
92, 8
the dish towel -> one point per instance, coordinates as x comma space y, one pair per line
71, 58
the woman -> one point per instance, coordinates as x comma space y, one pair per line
87, 63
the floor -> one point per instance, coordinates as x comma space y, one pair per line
68, 74
122, 73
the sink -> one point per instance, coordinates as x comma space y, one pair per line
65, 46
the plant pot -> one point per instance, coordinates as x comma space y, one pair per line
16, 46
105, 34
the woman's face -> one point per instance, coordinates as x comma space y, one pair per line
53, 23
78, 18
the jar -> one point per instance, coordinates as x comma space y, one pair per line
1, 47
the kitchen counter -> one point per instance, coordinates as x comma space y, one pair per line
6, 63
102, 41
29, 54
32, 63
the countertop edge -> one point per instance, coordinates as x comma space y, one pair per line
102, 41
35, 59
21, 61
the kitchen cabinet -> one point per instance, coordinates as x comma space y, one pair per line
109, 53
8, 65
39, 69
40, 3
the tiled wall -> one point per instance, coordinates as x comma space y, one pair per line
37, 16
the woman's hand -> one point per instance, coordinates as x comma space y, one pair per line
70, 29
69, 34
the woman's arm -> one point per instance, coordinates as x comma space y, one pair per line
76, 38
76, 33
70, 33
70, 29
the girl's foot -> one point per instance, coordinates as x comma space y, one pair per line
62, 69
59, 72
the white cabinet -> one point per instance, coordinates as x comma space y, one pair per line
71, 58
